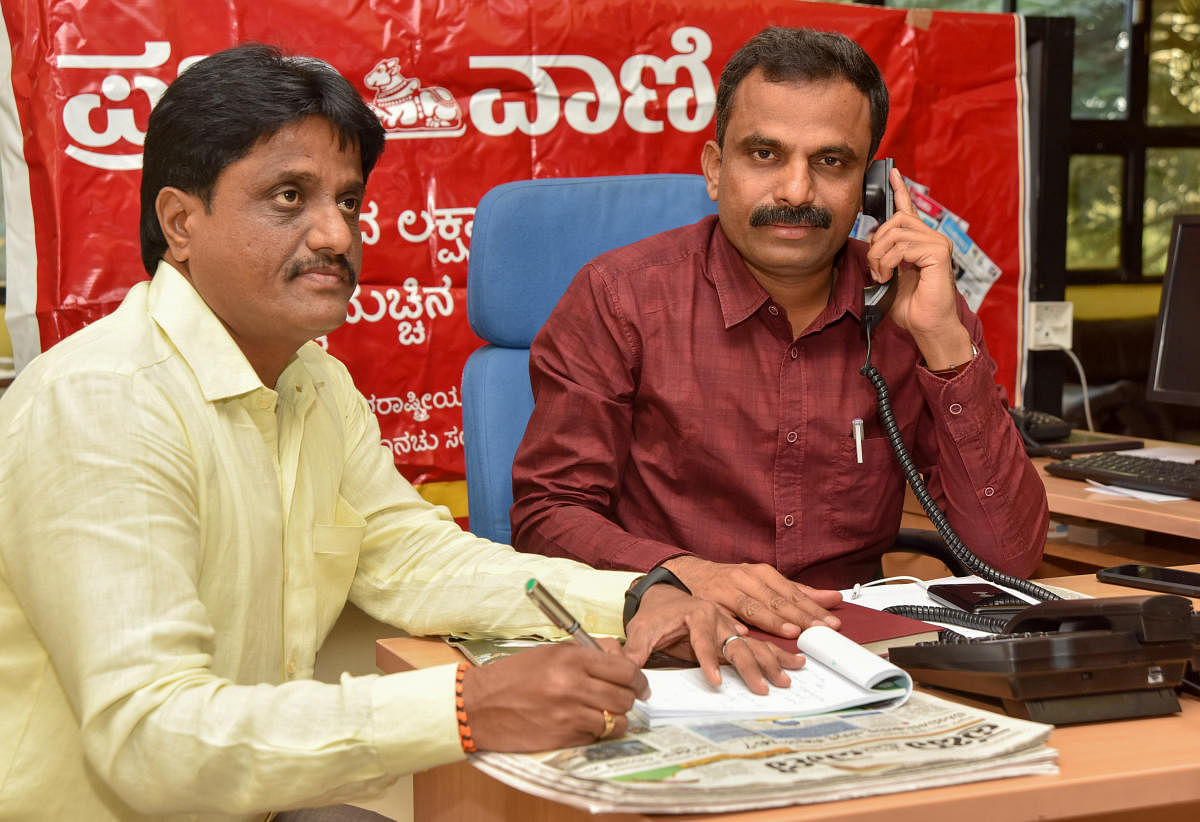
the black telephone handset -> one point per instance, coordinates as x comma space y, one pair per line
1162, 618
1067, 661
878, 203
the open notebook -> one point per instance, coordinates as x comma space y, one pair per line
839, 674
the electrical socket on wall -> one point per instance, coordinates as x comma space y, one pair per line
1049, 325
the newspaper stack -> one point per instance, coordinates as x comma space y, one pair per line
730, 766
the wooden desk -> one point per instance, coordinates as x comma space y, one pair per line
1173, 528
1067, 496
1146, 770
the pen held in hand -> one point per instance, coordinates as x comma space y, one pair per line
559, 615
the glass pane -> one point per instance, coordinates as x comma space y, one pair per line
949, 5
1096, 188
1174, 64
1172, 187
1100, 76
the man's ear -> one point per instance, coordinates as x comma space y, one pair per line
175, 208
710, 163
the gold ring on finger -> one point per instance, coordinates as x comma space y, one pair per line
609, 722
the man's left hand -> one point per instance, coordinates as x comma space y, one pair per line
691, 628
926, 299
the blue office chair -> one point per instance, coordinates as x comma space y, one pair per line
529, 239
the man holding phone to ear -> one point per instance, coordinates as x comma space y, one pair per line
696, 391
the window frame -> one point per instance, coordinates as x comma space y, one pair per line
1130, 138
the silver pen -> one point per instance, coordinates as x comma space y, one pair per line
559, 615
856, 426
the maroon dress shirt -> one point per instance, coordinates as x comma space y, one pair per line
675, 414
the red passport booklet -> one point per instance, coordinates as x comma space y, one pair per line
874, 630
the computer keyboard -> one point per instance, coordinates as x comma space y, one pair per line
1132, 471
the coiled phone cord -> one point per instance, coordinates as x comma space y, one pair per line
933, 613
973, 563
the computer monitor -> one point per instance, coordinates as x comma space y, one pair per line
1175, 357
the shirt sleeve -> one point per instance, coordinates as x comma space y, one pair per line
420, 571
566, 474
976, 466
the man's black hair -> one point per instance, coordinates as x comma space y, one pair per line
789, 55
218, 109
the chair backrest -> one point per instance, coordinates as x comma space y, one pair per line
528, 241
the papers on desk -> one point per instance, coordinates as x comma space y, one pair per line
839, 674
483, 650
709, 760
1130, 493
728, 766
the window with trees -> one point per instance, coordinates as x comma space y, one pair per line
1134, 136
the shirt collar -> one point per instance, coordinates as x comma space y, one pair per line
852, 277
221, 368
741, 295
738, 292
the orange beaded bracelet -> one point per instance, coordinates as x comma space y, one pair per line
464, 727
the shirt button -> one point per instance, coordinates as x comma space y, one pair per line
795, 352
773, 311
792, 436
789, 520
989, 491
955, 409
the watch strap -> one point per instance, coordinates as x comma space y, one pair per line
954, 370
656, 576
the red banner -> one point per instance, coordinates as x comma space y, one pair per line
471, 95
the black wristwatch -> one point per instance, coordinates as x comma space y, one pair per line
633, 597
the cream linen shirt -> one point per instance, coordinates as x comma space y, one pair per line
178, 540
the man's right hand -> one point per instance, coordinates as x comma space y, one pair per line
757, 594
551, 696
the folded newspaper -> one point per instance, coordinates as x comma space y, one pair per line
839, 673
725, 765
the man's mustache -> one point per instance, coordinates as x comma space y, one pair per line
338, 261
812, 216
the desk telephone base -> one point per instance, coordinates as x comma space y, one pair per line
1073, 660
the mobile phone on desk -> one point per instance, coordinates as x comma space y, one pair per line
977, 598
1153, 578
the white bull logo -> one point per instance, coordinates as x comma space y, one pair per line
406, 109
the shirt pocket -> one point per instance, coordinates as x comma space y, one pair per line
335, 553
864, 500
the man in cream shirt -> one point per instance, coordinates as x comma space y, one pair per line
192, 491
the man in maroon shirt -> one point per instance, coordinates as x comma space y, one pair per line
695, 391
